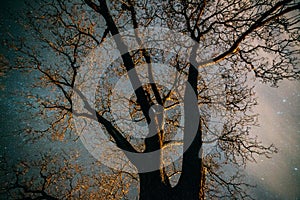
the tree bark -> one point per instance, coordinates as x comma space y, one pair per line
153, 187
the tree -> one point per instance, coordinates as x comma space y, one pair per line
3, 68
233, 40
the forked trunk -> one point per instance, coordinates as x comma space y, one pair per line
153, 188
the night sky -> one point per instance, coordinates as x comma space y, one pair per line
278, 177
279, 109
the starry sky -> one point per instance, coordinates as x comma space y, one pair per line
279, 109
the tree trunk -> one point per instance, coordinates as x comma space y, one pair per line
152, 187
